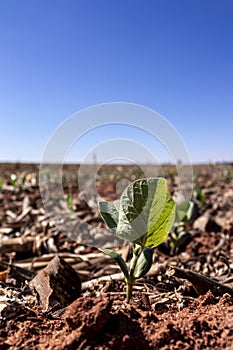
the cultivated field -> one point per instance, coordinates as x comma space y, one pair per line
58, 291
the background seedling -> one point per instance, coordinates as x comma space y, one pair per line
198, 193
69, 201
14, 180
1, 184
144, 215
179, 234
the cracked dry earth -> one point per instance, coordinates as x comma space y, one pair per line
166, 311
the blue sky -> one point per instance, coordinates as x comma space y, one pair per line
59, 57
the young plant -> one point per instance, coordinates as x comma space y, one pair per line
69, 201
178, 234
198, 193
14, 180
1, 183
143, 215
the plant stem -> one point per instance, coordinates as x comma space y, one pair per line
129, 290
131, 280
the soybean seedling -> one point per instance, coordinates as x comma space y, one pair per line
144, 215
198, 193
69, 201
179, 235
1, 184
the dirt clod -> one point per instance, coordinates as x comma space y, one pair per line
57, 283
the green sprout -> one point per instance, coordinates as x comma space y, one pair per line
143, 215
14, 180
69, 201
1, 184
179, 234
198, 193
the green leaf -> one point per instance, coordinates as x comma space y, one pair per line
146, 212
184, 211
144, 263
117, 257
109, 212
